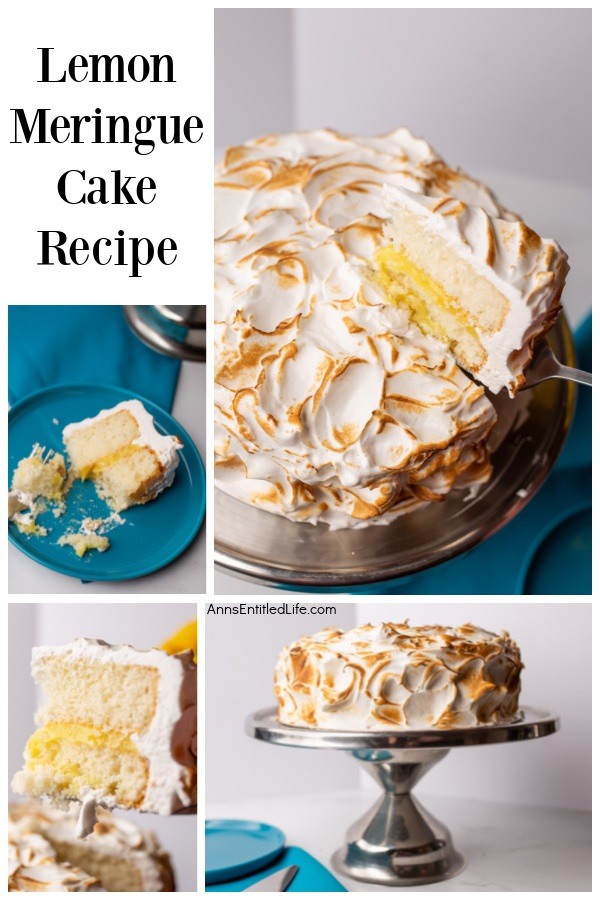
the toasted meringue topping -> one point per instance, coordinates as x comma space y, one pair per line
32, 825
396, 676
330, 406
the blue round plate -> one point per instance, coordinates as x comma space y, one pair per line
236, 847
153, 535
561, 561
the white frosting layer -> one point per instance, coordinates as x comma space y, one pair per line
394, 676
169, 783
527, 270
330, 406
165, 446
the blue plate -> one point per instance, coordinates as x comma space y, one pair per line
236, 847
311, 877
152, 536
560, 560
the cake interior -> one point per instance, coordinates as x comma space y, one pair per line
444, 295
41, 475
124, 474
84, 741
115, 873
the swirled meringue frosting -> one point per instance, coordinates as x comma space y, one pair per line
118, 856
330, 405
396, 676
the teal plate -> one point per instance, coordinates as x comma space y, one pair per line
237, 847
153, 535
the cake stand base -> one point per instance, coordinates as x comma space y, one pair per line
397, 842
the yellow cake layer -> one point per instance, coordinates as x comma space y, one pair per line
70, 758
406, 284
109, 697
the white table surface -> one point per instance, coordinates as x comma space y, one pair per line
507, 847
555, 209
187, 574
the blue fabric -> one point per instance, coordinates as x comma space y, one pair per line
53, 345
501, 565
310, 877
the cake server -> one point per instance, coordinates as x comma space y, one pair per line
276, 882
545, 365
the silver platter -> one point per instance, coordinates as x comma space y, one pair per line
269, 549
398, 842
531, 723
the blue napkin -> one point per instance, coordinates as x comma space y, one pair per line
501, 565
310, 877
53, 345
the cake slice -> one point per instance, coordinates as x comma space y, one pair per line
118, 855
120, 449
486, 287
118, 727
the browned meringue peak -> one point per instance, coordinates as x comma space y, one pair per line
330, 406
396, 676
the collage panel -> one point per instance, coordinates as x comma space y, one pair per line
102, 744
402, 304
106, 442
365, 748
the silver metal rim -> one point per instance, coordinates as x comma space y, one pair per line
533, 723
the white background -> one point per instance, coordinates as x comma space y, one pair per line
505, 89
183, 207
555, 641
143, 626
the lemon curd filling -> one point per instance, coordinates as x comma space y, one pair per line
406, 285
105, 462
83, 757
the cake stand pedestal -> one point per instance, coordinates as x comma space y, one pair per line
397, 842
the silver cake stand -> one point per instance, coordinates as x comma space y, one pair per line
260, 546
397, 842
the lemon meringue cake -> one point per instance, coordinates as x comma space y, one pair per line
485, 287
396, 676
121, 450
331, 406
118, 727
46, 855
33, 866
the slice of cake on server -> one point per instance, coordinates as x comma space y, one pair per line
489, 288
118, 728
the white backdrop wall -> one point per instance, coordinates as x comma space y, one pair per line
506, 89
240, 659
142, 625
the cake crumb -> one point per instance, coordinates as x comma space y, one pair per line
81, 543
27, 524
